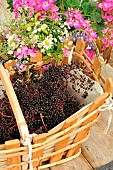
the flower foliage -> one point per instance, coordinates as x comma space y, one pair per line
107, 9
40, 26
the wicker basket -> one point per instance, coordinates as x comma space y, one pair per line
60, 144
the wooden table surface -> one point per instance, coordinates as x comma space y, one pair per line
96, 151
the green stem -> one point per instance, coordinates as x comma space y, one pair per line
62, 5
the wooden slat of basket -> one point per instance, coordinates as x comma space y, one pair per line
38, 139
14, 160
108, 86
99, 101
22, 126
80, 46
57, 152
87, 65
52, 140
61, 144
75, 116
96, 67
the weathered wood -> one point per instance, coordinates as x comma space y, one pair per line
62, 144
107, 54
98, 148
108, 166
98, 102
14, 160
96, 66
80, 46
81, 135
108, 86
38, 139
80, 163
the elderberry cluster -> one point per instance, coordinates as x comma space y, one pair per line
44, 100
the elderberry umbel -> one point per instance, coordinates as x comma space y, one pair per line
45, 101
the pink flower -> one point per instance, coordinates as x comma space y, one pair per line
66, 52
75, 19
90, 53
32, 52
25, 50
20, 66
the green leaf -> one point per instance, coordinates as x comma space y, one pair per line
88, 7
98, 28
56, 57
58, 47
96, 17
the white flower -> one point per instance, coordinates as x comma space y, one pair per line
35, 31
10, 52
50, 37
7, 36
39, 29
40, 45
37, 23
19, 50
14, 45
11, 41
43, 27
35, 37
58, 31
47, 43
42, 50
28, 28
22, 42
62, 26
55, 40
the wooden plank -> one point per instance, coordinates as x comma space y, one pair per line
80, 163
96, 67
63, 143
98, 149
108, 166
38, 139
108, 86
13, 160
98, 102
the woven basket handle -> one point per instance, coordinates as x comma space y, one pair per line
22, 126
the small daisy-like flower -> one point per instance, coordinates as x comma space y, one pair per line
19, 50
55, 40
50, 37
10, 52
22, 42
10, 40
35, 31
37, 23
14, 45
40, 45
62, 26
39, 29
47, 43
28, 28
42, 50
7, 36
43, 27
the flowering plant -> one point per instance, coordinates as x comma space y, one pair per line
39, 28
107, 9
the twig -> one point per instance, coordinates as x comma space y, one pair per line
43, 122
